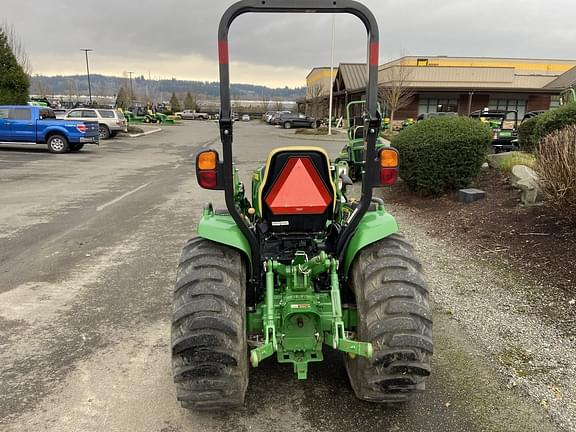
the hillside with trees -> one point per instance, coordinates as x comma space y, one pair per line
146, 89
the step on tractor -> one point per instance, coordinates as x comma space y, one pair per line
298, 268
354, 151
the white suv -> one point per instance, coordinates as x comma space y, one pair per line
110, 121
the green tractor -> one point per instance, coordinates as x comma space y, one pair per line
567, 96
298, 268
355, 149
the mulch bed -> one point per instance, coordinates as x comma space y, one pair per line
534, 239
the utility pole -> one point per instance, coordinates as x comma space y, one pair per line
86, 50
131, 89
331, 76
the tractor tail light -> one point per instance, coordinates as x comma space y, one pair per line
207, 169
388, 166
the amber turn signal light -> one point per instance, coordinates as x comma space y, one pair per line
207, 160
388, 157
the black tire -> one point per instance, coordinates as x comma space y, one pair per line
57, 144
394, 314
287, 125
209, 356
104, 132
76, 147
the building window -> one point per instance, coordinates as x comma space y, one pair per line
509, 105
554, 101
431, 105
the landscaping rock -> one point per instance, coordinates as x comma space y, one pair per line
494, 159
526, 179
470, 195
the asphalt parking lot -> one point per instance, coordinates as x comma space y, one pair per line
88, 248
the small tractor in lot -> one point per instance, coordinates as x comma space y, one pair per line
504, 126
297, 267
354, 151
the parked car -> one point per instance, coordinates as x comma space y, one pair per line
245, 117
426, 116
531, 114
192, 115
288, 121
235, 116
266, 116
39, 125
274, 116
110, 121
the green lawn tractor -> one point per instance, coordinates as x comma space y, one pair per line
567, 96
504, 126
297, 268
355, 149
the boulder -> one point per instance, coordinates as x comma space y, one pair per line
495, 158
526, 179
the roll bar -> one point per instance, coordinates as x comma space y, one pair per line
372, 122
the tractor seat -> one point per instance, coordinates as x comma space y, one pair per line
358, 132
297, 193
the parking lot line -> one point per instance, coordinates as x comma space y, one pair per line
115, 200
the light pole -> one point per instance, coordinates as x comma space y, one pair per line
131, 89
88, 72
331, 76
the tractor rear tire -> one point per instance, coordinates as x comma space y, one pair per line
394, 315
209, 356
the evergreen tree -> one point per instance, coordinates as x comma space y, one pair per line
122, 99
190, 102
174, 103
14, 82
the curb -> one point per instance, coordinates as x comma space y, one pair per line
145, 133
313, 137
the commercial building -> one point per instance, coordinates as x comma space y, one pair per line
459, 84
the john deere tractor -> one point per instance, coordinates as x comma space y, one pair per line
354, 151
297, 268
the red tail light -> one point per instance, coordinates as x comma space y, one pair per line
298, 190
81, 128
207, 169
388, 166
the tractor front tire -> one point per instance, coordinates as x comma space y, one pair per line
394, 315
209, 356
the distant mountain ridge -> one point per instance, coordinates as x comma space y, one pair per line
103, 85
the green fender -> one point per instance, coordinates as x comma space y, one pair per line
374, 226
221, 228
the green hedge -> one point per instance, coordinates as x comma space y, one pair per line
526, 134
554, 120
442, 154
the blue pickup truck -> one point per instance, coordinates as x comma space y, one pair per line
35, 124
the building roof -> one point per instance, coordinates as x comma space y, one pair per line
354, 75
567, 79
314, 69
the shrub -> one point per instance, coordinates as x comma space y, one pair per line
553, 120
526, 134
556, 165
507, 160
442, 154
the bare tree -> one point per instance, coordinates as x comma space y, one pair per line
395, 94
17, 47
318, 101
278, 105
264, 104
40, 88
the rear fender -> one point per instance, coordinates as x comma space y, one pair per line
221, 228
374, 226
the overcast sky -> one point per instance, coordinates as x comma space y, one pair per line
177, 38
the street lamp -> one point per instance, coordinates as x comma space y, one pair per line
88, 72
131, 89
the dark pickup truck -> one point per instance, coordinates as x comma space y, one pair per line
39, 125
